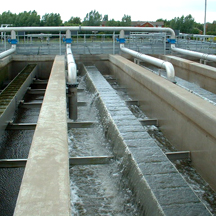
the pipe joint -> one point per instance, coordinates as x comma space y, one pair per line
74, 85
171, 41
67, 40
12, 41
121, 40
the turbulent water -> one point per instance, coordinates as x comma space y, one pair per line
96, 189
15, 144
199, 186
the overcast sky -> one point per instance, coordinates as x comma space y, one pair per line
142, 10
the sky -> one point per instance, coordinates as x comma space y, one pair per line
139, 10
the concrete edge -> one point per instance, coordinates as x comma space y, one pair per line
150, 205
149, 197
10, 110
205, 70
186, 103
45, 188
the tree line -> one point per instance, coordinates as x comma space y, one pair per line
186, 24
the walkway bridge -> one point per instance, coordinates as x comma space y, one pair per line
98, 127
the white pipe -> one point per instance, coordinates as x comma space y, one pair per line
8, 52
89, 28
154, 61
72, 69
13, 46
199, 55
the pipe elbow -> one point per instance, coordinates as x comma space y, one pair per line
170, 71
8, 52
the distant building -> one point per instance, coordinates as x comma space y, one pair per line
146, 24
141, 24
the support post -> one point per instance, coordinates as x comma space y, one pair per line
72, 100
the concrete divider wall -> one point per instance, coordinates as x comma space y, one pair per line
45, 186
5, 61
158, 187
188, 121
202, 75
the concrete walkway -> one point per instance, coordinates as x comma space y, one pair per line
45, 186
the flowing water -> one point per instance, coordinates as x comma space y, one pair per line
96, 189
15, 144
199, 186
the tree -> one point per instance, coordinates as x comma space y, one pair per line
92, 19
73, 21
7, 18
184, 24
52, 19
112, 22
211, 28
188, 24
126, 20
30, 18
105, 18
166, 22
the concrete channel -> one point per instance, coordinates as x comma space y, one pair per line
156, 186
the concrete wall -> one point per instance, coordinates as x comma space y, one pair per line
202, 75
188, 121
16, 63
45, 186
44, 63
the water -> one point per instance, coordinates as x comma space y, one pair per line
199, 186
97, 189
15, 144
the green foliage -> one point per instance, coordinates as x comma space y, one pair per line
126, 20
7, 18
73, 21
105, 18
211, 28
52, 19
112, 22
166, 22
30, 18
185, 24
92, 19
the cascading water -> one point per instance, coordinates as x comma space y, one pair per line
200, 187
96, 189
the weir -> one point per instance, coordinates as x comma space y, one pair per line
109, 157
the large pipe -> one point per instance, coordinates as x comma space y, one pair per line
199, 55
8, 52
71, 65
89, 28
13, 46
154, 61
71, 78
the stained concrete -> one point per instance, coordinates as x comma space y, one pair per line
187, 120
45, 186
159, 188
200, 74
